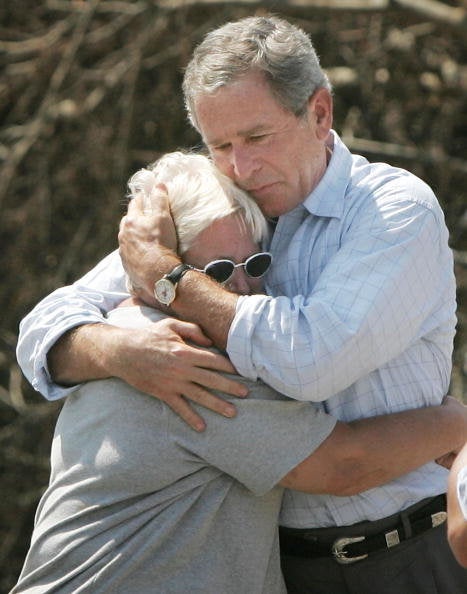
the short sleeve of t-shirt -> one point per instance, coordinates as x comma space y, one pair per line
269, 436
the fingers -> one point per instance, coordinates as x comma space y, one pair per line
190, 332
207, 366
158, 362
155, 204
199, 357
215, 381
210, 360
210, 401
197, 394
139, 219
181, 407
137, 205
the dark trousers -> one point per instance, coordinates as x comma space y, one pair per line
423, 564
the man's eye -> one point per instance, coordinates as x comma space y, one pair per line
258, 137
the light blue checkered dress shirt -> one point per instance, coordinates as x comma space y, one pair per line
362, 317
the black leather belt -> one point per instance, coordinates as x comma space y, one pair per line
349, 544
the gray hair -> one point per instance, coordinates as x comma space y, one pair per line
270, 45
198, 195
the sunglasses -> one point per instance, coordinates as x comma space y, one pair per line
222, 270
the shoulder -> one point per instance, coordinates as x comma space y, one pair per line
389, 195
386, 183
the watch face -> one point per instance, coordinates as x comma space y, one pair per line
164, 291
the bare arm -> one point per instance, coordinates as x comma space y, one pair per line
457, 524
370, 452
143, 239
156, 360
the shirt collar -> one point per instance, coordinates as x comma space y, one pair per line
327, 199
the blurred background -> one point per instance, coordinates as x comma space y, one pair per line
90, 92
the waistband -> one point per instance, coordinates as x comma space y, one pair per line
348, 544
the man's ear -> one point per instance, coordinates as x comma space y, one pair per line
320, 107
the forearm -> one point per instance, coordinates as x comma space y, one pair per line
457, 523
396, 444
370, 452
147, 248
82, 354
198, 299
207, 304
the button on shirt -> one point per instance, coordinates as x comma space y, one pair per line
362, 319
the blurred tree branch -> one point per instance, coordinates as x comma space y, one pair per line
90, 91
45, 111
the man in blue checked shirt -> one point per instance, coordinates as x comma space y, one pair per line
359, 313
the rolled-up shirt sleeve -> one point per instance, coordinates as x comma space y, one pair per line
84, 302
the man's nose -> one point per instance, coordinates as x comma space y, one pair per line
243, 163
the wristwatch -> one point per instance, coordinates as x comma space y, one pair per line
165, 288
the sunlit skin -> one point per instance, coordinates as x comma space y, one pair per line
226, 238
276, 156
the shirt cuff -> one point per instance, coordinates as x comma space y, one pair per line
41, 380
248, 313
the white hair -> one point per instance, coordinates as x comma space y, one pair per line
198, 195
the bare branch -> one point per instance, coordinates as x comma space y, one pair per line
460, 258
129, 8
327, 4
432, 9
399, 151
16, 50
21, 149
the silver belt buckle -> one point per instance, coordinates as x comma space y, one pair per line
340, 554
438, 518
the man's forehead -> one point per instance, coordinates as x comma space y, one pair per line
218, 136
250, 94
218, 125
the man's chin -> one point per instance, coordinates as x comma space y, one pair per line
272, 207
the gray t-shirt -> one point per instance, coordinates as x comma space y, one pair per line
140, 503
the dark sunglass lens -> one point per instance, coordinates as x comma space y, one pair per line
220, 271
258, 265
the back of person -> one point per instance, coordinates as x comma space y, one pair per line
139, 502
